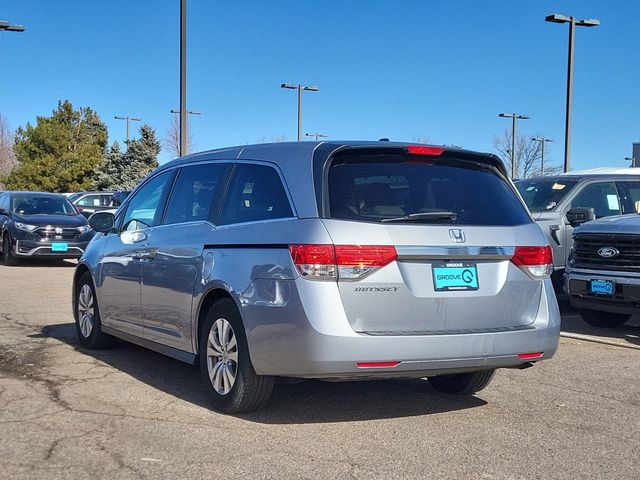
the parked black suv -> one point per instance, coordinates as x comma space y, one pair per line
43, 225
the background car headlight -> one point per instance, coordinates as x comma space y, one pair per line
25, 226
84, 228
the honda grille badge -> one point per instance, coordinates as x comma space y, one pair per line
608, 252
457, 235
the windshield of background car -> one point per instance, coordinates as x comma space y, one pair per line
376, 188
34, 205
544, 194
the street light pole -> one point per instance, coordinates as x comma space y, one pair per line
556, 18
633, 161
183, 77
128, 119
513, 116
300, 88
542, 141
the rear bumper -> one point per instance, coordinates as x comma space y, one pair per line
325, 346
28, 248
625, 300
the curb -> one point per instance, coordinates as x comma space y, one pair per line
589, 338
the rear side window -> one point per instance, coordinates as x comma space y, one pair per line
386, 188
256, 193
194, 192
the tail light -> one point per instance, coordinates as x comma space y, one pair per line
537, 262
347, 262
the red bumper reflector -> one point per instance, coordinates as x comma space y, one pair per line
529, 356
377, 364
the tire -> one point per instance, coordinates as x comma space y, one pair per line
603, 319
8, 258
87, 315
462, 383
227, 372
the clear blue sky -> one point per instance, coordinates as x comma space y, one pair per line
435, 69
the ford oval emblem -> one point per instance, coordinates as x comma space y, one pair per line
608, 252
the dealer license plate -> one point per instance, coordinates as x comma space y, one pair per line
59, 247
603, 287
455, 276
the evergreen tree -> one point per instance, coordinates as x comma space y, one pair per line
108, 176
60, 153
123, 171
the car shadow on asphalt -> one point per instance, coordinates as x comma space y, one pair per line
573, 323
31, 263
310, 401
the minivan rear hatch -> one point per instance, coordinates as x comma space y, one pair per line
455, 223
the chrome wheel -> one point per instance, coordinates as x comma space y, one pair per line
85, 310
222, 356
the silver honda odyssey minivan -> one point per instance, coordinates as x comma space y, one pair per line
328, 260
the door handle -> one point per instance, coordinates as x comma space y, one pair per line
147, 254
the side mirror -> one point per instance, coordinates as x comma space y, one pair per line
4, 212
578, 216
102, 222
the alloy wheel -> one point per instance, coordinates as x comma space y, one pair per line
85, 310
222, 356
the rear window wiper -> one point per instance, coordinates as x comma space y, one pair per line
414, 217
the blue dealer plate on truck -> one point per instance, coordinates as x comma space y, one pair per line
59, 247
454, 276
602, 287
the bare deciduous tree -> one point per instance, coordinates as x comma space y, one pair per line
7, 156
274, 139
171, 139
421, 139
528, 155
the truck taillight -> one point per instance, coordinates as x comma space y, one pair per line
537, 262
346, 262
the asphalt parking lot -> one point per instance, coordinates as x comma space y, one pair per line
131, 413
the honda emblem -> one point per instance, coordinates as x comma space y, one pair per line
457, 235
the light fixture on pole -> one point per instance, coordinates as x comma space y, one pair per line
542, 141
633, 161
6, 26
513, 116
128, 119
300, 88
573, 22
184, 149
316, 135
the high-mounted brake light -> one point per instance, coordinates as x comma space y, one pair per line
347, 262
537, 262
425, 150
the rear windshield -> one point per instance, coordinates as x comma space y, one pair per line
544, 194
34, 205
385, 188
